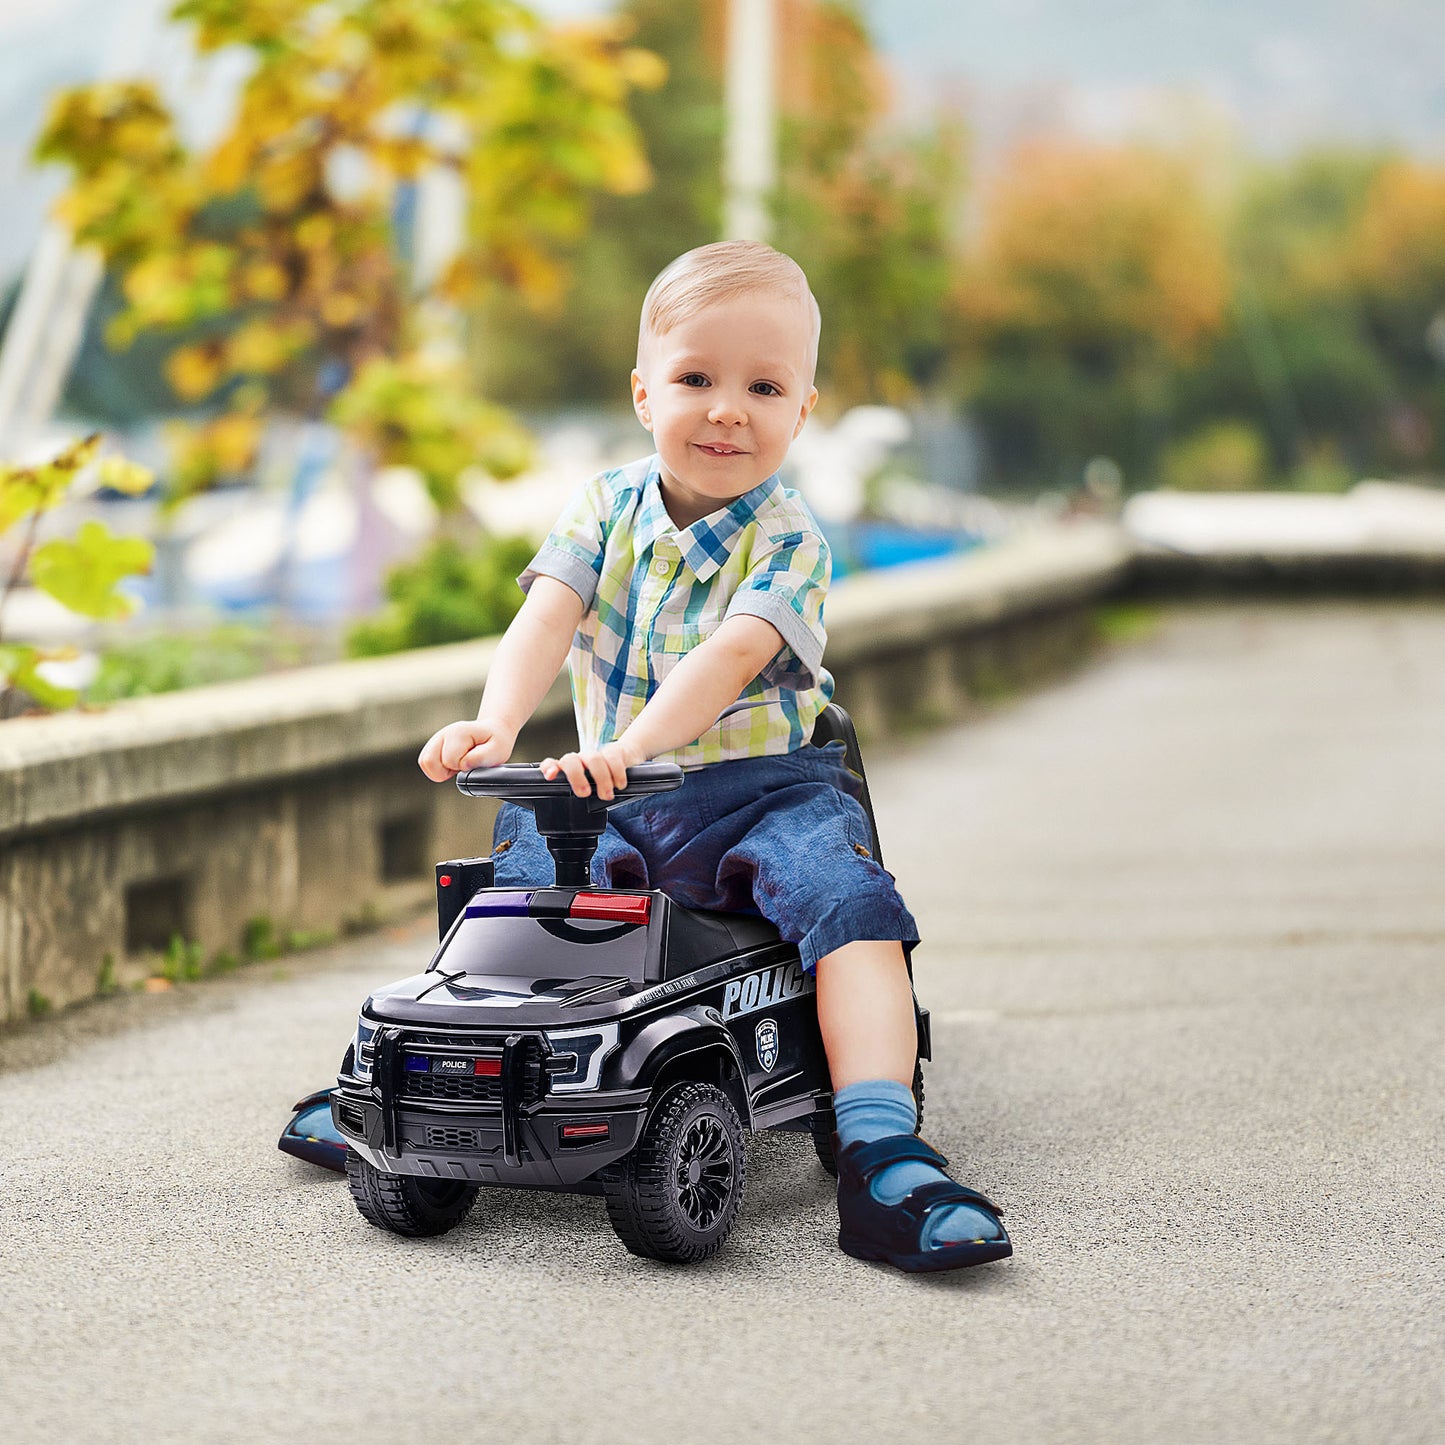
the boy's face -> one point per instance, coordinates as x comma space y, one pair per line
724, 392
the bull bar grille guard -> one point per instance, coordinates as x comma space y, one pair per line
525, 1059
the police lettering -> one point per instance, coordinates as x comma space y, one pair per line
761, 990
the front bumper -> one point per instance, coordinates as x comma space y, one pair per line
515, 1139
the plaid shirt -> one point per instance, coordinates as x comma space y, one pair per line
653, 593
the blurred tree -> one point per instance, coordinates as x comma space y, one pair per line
1295, 357
1096, 276
865, 213
271, 256
447, 593
1225, 456
529, 349
1397, 256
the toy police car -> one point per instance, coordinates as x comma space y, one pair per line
588, 1040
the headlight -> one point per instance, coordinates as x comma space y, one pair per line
365, 1044
577, 1056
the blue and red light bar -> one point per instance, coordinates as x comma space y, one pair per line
613, 907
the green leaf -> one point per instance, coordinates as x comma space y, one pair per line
18, 664
82, 574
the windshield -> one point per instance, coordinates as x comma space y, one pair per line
545, 948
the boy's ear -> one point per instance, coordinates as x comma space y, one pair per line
808, 406
639, 400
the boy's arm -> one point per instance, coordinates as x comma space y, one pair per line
524, 666
689, 701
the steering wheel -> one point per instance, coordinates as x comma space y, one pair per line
523, 783
570, 825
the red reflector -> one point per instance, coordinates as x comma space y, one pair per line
445, 880
583, 1131
491, 1067
623, 907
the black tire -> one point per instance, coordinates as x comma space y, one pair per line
823, 1124
676, 1196
405, 1204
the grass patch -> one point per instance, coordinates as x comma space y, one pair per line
1124, 622
105, 980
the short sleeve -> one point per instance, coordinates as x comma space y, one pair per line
786, 586
574, 547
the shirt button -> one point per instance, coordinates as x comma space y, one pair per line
660, 567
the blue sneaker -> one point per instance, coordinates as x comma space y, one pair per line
895, 1233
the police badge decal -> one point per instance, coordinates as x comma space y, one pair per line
767, 1041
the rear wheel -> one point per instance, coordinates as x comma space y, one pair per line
405, 1204
676, 1196
823, 1124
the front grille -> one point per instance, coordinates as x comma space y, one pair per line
453, 1138
417, 1087
442, 1086
351, 1118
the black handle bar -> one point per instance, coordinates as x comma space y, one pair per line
523, 783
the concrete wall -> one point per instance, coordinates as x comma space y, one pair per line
293, 805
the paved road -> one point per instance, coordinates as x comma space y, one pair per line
1184, 924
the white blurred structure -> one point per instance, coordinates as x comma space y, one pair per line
831, 465
61, 280
750, 164
1373, 516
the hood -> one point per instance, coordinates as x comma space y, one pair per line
438, 997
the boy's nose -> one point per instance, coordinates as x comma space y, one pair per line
727, 410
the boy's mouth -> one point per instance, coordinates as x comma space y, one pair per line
720, 449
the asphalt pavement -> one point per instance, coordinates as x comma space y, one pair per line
1184, 944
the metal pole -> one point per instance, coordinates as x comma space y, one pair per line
750, 145
61, 279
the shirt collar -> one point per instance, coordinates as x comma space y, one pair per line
706, 544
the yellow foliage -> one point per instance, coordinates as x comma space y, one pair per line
643, 69
130, 477
543, 111
1096, 246
284, 181
200, 455
194, 371
264, 280
1401, 235
258, 347
340, 309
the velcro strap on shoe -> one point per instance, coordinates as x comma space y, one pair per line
941, 1193
868, 1159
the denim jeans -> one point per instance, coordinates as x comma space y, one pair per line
782, 836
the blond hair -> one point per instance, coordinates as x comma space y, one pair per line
719, 272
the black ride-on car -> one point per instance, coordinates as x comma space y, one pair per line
588, 1040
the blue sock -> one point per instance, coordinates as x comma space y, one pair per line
876, 1108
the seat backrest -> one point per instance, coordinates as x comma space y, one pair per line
834, 725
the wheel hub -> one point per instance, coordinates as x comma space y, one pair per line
704, 1174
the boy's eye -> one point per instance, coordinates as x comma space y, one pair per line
693, 378
765, 388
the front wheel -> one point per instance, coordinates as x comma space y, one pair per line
823, 1124
405, 1204
676, 1196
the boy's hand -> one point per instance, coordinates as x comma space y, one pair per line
608, 766
484, 743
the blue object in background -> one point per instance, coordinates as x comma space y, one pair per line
866, 546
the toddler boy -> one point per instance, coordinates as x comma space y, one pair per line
688, 588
